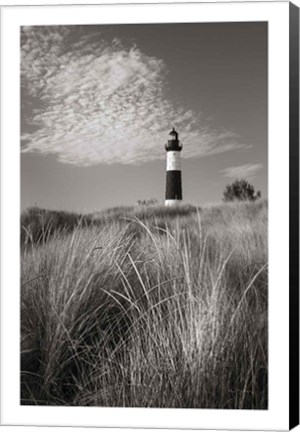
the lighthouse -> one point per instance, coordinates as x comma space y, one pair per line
173, 166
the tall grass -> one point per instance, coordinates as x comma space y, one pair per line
148, 308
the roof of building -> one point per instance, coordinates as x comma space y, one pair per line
173, 132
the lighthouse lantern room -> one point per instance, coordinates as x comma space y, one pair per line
173, 178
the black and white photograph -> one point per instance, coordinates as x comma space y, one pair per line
149, 215
144, 215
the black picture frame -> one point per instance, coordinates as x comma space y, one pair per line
294, 215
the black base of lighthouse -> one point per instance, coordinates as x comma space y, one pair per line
173, 185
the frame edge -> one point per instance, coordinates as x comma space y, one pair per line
294, 216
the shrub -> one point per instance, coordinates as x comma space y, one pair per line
147, 202
240, 190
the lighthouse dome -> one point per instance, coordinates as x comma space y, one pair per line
173, 143
173, 135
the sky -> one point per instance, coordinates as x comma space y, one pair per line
98, 103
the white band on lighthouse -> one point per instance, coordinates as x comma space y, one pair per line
172, 202
173, 161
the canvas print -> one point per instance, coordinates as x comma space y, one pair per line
144, 215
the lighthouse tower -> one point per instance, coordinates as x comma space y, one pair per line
173, 181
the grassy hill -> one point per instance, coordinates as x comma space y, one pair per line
145, 307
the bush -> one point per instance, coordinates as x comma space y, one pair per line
147, 202
240, 190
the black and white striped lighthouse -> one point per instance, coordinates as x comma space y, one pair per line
173, 180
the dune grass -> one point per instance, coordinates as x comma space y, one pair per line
147, 307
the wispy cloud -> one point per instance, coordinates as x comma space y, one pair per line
90, 102
243, 171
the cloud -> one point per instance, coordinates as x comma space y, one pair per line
242, 171
88, 101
